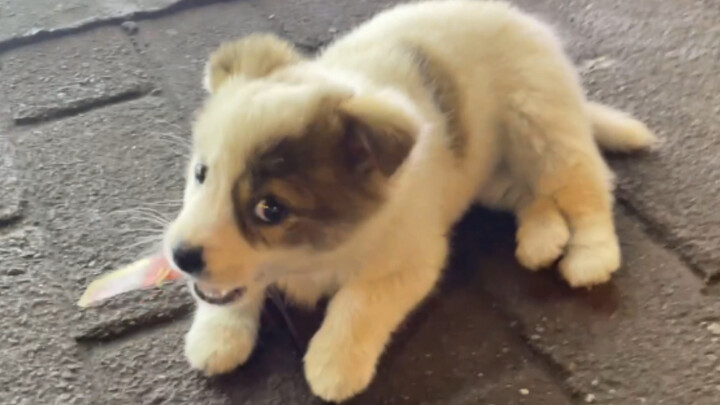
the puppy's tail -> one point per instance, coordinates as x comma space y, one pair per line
616, 131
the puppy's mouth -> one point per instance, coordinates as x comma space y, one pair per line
217, 296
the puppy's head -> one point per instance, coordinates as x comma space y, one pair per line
280, 165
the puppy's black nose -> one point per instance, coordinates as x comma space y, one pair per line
189, 259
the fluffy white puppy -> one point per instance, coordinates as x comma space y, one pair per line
343, 174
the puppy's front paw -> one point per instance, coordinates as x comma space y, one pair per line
589, 264
541, 241
215, 348
335, 370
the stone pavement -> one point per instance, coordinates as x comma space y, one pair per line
95, 101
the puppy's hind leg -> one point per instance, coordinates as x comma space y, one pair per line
542, 233
550, 146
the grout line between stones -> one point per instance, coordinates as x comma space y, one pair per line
144, 326
84, 105
13, 221
554, 369
108, 332
153, 68
662, 238
89, 369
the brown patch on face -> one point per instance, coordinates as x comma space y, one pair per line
446, 96
331, 178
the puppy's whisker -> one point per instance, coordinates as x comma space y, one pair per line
150, 205
144, 213
138, 209
151, 222
174, 135
136, 230
175, 140
161, 223
163, 203
147, 240
144, 241
153, 215
172, 124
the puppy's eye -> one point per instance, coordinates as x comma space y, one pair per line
270, 211
200, 172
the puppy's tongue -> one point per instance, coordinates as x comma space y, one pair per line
148, 272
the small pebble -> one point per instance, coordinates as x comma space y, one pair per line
590, 398
714, 328
524, 391
130, 27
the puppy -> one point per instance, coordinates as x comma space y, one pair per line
342, 175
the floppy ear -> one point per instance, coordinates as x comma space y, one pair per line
377, 134
251, 57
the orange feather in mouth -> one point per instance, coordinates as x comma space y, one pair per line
144, 273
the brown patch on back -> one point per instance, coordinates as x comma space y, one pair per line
446, 95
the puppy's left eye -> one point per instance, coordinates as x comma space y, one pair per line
270, 211
200, 172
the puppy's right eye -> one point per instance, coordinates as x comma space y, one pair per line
200, 172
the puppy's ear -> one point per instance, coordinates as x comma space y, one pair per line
378, 135
251, 57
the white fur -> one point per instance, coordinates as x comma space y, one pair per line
223, 337
530, 149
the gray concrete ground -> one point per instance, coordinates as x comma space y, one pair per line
91, 108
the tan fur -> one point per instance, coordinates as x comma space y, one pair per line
257, 56
433, 106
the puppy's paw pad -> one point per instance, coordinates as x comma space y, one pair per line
540, 243
337, 375
586, 266
218, 349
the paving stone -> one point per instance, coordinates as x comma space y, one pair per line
65, 75
317, 22
10, 184
90, 176
181, 44
42, 363
25, 18
642, 338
